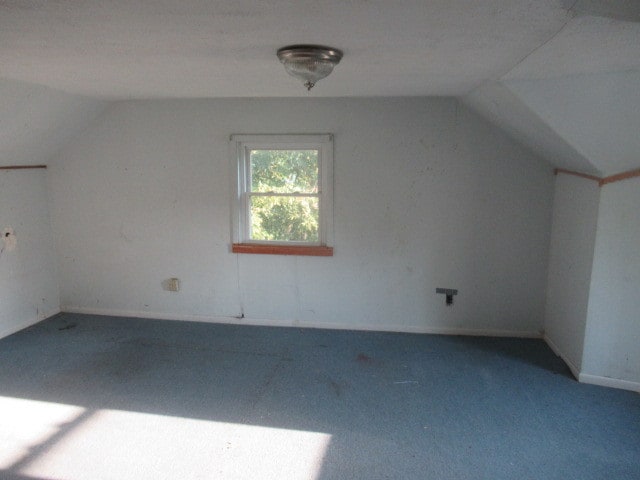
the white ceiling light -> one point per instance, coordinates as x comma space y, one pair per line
309, 63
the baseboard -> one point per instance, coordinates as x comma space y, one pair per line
292, 323
480, 332
39, 317
574, 370
609, 382
592, 379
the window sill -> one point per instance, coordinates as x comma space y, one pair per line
311, 251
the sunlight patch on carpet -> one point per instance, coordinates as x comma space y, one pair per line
65, 442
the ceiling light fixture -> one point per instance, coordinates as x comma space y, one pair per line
309, 63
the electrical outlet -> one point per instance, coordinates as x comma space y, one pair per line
171, 285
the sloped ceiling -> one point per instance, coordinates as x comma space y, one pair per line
576, 98
35, 121
559, 75
597, 114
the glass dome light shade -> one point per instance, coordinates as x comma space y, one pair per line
309, 63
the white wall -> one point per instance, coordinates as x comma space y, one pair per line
427, 195
28, 286
611, 348
573, 232
35, 121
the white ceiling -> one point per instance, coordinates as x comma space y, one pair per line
203, 48
576, 98
495, 54
36, 121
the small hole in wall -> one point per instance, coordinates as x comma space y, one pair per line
9, 240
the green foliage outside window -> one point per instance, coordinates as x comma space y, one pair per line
288, 209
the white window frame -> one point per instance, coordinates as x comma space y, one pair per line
240, 147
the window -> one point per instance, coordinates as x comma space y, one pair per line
283, 197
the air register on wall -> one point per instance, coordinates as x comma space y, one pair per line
449, 293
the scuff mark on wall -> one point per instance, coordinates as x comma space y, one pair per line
9, 240
124, 236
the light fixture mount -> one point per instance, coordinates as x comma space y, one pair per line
309, 63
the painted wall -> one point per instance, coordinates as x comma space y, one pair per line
613, 320
28, 285
427, 194
573, 233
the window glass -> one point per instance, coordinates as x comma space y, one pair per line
284, 219
284, 171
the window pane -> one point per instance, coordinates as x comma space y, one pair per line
288, 219
284, 171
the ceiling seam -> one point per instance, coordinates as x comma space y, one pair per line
569, 17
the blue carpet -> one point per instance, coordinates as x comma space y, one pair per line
397, 406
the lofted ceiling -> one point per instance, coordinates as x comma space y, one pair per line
559, 75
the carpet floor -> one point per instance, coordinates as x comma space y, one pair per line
86, 397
